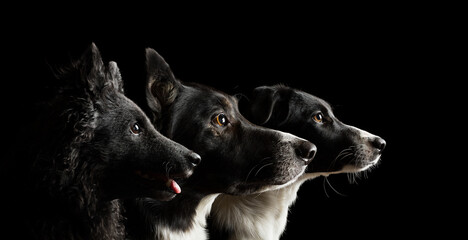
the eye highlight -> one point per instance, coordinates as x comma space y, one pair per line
220, 120
135, 129
318, 118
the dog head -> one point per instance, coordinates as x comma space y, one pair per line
342, 148
238, 156
132, 159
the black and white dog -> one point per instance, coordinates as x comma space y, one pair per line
341, 149
238, 156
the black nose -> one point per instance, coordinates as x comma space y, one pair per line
379, 143
194, 158
306, 151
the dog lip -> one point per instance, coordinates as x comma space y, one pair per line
165, 195
166, 187
165, 180
153, 176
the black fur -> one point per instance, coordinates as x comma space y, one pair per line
80, 156
291, 110
238, 156
188, 115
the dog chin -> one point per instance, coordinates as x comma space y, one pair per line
353, 168
362, 166
370, 164
279, 186
163, 195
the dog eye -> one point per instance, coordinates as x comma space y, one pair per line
135, 129
220, 120
318, 118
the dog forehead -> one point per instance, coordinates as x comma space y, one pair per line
206, 100
314, 101
226, 100
213, 96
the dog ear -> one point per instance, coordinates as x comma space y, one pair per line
115, 77
269, 105
92, 70
162, 87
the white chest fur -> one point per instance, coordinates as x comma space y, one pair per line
198, 229
261, 216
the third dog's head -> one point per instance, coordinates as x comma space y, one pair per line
238, 156
341, 148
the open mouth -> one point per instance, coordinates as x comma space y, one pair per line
165, 182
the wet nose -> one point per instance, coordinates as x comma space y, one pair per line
379, 143
306, 151
194, 158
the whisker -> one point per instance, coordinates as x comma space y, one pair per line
329, 184
352, 177
168, 168
248, 174
256, 165
268, 164
324, 187
345, 153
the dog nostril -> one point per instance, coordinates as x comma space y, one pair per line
379, 143
306, 151
194, 158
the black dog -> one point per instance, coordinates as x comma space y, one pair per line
238, 157
90, 146
341, 149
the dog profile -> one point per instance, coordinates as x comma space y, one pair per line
238, 156
341, 149
89, 147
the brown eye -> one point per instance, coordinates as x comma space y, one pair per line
135, 129
220, 120
318, 118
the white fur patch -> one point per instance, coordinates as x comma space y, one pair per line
198, 229
262, 216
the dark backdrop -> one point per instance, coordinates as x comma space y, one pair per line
370, 70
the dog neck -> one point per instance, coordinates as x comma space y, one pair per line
85, 219
184, 217
259, 216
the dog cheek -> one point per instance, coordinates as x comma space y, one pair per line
287, 170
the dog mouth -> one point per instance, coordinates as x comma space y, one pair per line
352, 160
162, 182
271, 176
361, 162
369, 163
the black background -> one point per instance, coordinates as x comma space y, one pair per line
375, 70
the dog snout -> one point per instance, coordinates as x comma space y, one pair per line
306, 150
378, 143
194, 158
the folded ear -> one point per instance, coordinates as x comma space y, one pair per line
162, 87
269, 105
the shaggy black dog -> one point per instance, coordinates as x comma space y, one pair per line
90, 147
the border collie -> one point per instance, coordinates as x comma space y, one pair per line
238, 156
89, 147
341, 149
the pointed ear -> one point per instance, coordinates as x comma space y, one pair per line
269, 105
114, 77
92, 70
162, 87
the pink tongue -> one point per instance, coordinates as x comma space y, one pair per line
175, 187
